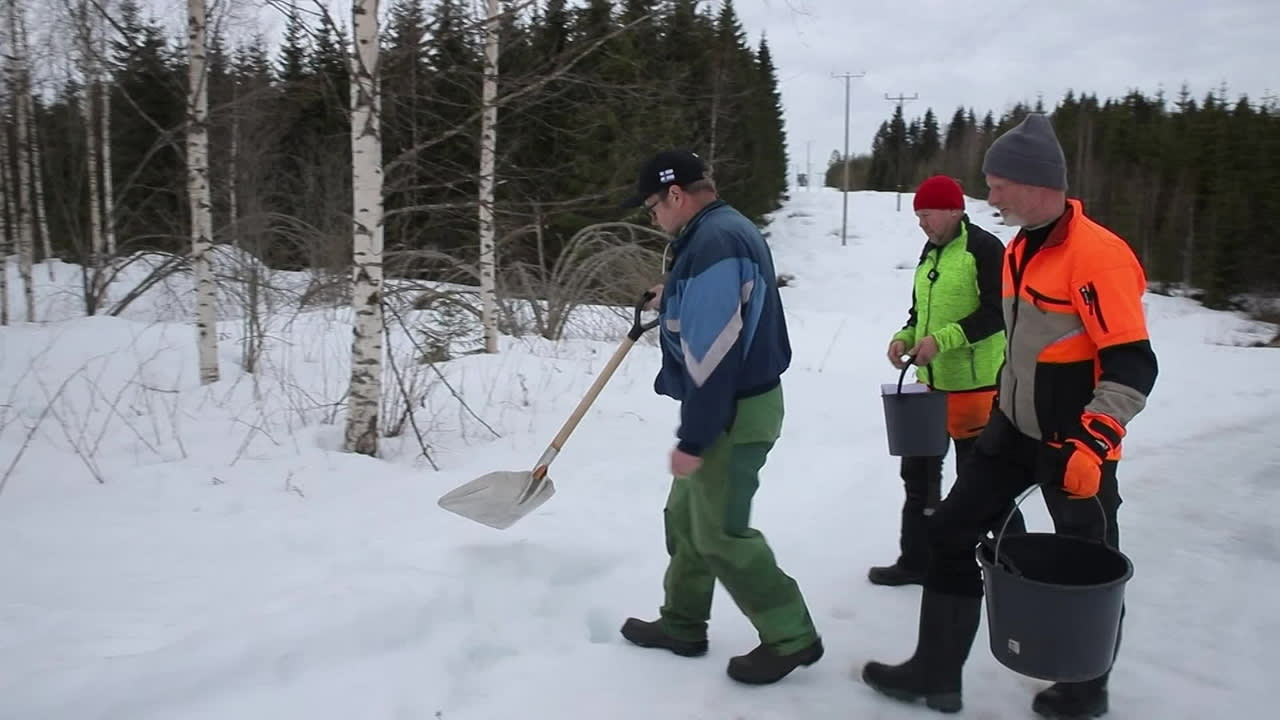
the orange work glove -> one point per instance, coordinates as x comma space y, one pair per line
1084, 451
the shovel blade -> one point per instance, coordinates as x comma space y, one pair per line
498, 499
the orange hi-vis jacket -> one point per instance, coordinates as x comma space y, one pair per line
1077, 334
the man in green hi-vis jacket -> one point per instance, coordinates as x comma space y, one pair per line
955, 335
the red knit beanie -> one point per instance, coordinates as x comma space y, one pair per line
939, 193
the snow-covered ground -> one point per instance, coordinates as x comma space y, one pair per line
176, 551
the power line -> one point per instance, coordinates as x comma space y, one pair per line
844, 185
900, 99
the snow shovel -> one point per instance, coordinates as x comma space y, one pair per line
499, 499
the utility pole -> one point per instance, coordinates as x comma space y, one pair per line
808, 166
844, 185
900, 100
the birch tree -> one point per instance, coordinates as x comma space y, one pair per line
198, 191
367, 234
108, 185
88, 67
41, 209
4, 213
20, 85
488, 151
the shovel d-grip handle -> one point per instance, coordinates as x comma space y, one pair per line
638, 328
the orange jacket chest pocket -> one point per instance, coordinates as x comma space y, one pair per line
1053, 298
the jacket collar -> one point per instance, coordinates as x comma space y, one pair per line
1062, 226
1063, 229
686, 232
962, 230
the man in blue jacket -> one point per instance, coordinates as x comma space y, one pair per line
724, 348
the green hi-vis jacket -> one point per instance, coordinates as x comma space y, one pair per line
956, 299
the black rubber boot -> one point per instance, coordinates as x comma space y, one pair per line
948, 624
894, 575
922, 486
762, 666
652, 635
1073, 701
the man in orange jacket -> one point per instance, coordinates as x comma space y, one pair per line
1078, 368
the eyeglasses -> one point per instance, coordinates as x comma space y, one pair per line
650, 209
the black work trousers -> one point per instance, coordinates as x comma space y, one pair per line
1003, 464
922, 481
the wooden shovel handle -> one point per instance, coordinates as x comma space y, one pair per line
638, 328
585, 403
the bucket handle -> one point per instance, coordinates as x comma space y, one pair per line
905, 367
1027, 493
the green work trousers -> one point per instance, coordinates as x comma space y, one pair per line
709, 537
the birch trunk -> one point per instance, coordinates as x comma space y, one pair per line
253, 335
4, 219
25, 241
365, 396
91, 157
108, 185
20, 86
41, 209
198, 192
233, 210
488, 151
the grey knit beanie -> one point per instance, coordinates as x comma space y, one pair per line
1028, 154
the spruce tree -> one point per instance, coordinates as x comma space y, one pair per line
148, 110
405, 123
771, 161
930, 147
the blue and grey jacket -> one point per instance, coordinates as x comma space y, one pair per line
723, 332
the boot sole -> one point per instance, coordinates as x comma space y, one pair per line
681, 651
896, 582
947, 702
1054, 715
1046, 709
895, 579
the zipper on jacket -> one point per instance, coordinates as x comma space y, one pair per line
1015, 274
933, 279
1089, 293
1041, 297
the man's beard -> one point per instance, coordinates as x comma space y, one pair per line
1012, 219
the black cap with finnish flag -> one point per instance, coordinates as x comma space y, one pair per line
667, 168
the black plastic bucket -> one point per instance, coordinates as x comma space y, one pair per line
1053, 603
915, 420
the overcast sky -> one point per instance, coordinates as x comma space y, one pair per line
992, 53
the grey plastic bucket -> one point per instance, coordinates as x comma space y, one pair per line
1053, 603
915, 419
